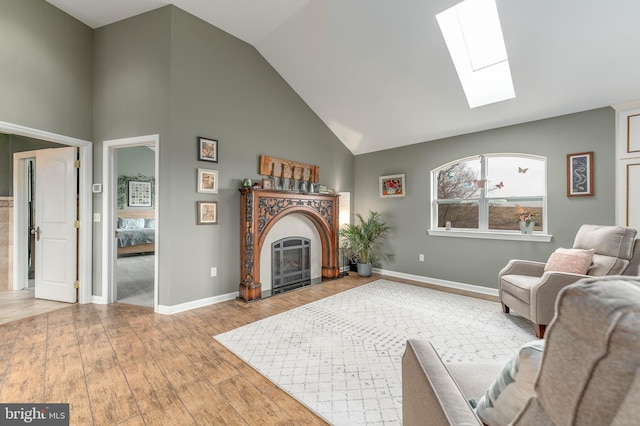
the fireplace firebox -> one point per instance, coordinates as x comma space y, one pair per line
291, 266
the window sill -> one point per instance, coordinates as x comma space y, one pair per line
511, 236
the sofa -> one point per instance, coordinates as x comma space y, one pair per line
587, 371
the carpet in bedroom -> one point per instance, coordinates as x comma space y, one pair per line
135, 280
341, 356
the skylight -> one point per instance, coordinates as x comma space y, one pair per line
472, 32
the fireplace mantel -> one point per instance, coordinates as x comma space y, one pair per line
260, 209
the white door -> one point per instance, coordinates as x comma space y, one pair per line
56, 235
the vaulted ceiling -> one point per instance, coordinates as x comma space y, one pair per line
378, 73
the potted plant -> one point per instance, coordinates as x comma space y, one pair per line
364, 241
526, 218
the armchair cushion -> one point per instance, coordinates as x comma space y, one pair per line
575, 261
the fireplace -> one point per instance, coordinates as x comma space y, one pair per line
261, 209
291, 265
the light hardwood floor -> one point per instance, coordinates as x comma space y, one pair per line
124, 365
18, 304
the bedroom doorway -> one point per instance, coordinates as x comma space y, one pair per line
130, 221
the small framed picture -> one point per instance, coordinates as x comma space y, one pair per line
392, 186
580, 174
208, 181
267, 183
139, 194
207, 149
207, 212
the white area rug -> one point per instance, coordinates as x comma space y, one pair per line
341, 356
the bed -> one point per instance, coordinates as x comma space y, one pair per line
136, 232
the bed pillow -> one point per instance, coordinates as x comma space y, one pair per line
575, 261
125, 223
150, 223
510, 391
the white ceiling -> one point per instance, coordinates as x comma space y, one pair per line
377, 72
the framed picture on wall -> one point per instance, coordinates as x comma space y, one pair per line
139, 194
208, 181
580, 174
207, 149
207, 212
392, 186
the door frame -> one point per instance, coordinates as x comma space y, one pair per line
109, 204
85, 203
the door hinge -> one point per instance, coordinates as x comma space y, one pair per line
76, 224
76, 284
76, 164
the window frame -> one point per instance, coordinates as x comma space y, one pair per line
483, 201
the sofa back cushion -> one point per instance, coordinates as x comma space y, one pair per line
592, 354
613, 247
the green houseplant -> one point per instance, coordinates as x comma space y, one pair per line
364, 241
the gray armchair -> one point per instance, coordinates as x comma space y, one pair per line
530, 291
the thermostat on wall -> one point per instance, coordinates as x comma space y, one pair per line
96, 188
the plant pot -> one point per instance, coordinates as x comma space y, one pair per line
364, 269
527, 228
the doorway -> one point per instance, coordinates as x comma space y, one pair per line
131, 220
20, 274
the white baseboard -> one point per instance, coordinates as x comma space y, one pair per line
99, 300
174, 309
487, 291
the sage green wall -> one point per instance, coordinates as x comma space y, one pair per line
222, 88
137, 160
45, 68
131, 65
166, 72
10, 144
478, 261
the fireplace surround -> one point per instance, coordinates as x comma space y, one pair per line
260, 209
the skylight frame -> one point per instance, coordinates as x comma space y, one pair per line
473, 35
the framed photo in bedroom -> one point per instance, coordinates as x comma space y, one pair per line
580, 174
207, 149
139, 194
207, 181
207, 212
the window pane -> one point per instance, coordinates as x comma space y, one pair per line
503, 215
463, 215
515, 177
458, 181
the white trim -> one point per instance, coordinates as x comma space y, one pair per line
85, 241
20, 218
194, 304
475, 289
510, 236
99, 300
109, 174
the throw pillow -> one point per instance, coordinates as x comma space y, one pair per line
574, 261
513, 387
125, 223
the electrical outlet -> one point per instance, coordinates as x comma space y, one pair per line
96, 217
421, 257
214, 271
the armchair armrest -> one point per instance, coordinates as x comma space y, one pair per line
545, 292
429, 392
523, 267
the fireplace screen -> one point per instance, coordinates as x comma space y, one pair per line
291, 266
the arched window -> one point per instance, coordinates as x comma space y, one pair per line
486, 193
